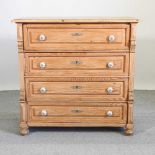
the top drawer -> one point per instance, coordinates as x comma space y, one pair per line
68, 37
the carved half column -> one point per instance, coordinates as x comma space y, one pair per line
132, 62
129, 126
22, 100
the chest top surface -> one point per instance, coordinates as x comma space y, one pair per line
77, 20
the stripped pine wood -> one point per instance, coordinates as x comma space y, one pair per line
76, 72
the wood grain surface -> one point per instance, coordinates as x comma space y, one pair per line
75, 55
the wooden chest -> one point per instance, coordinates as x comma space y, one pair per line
76, 72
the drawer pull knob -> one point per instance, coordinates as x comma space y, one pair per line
109, 113
109, 90
43, 90
44, 113
76, 62
77, 87
111, 38
42, 65
110, 65
77, 34
42, 37
77, 111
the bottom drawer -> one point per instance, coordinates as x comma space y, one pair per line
106, 114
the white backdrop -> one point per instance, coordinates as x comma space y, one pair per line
142, 9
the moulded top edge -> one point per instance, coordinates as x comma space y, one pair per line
78, 20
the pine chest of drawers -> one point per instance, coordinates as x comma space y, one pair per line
76, 73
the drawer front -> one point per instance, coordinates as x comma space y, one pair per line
90, 65
78, 114
79, 91
74, 37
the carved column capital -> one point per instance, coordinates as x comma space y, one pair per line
20, 37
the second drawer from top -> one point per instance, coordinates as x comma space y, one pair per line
77, 64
